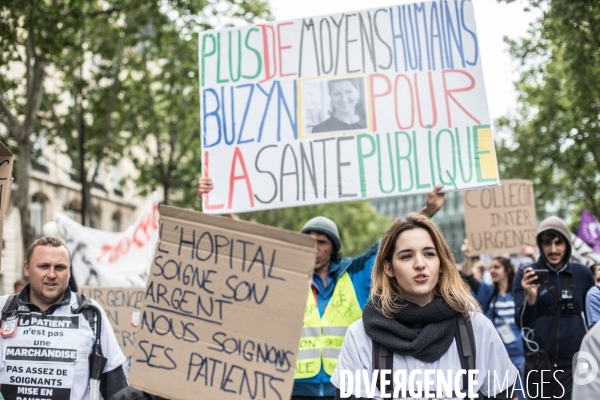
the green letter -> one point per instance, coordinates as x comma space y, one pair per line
391, 165
205, 54
361, 164
256, 52
407, 158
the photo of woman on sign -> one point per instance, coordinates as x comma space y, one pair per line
421, 318
346, 106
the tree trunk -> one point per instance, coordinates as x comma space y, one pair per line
166, 189
22, 198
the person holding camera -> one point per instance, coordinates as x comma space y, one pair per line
549, 304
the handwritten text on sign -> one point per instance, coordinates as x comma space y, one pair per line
223, 309
341, 107
122, 306
501, 219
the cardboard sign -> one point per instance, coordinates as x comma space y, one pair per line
122, 306
112, 259
6, 167
501, 219
381, 102
223, 309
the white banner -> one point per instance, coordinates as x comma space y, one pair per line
582, 253
381, 102
117, 259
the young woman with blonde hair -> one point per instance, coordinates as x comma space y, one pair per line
423, 314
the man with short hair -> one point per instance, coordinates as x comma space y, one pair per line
47, 333
19, 285
339, 291
537, 306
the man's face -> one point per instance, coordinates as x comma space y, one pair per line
324, 249
48, 273
554, 251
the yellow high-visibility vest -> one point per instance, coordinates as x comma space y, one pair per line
322, 338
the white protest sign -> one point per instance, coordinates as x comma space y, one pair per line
223, 309
116, 259
351, 106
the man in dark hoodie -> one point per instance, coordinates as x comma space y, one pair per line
536, 307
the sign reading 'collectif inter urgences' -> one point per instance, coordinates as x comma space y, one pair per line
347, 106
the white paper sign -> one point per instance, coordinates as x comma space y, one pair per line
381, 102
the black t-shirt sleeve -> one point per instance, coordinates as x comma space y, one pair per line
112, 381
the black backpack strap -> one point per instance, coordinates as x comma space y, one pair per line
383, 358
12, 304
84, 308
465, 341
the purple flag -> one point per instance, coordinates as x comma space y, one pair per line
589, 230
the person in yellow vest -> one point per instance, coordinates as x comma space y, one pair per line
339, 291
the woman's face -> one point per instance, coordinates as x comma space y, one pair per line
344, 97
415, 266
497, 271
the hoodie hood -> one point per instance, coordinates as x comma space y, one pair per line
558, 225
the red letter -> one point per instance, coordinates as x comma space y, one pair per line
412, 102
205, 195
268, 74
281, 48
373, 95
104, 250
433, 107
448, 94
233, 177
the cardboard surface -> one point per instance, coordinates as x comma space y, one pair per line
6, 167
223, 309
122, 306
501, 219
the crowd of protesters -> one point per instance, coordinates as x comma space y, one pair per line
402, 305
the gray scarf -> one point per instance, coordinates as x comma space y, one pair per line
425, 333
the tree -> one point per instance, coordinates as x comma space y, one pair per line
163, 114
32, 36
557, 128
89, 48
359, 225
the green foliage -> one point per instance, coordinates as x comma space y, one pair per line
162, 86
557, 129
111, 75
360, 226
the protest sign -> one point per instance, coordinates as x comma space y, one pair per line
112, 259
6, 167
223, 309
589, 230
349, 106
501, 219
122, 306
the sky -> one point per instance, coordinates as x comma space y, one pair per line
494, 21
